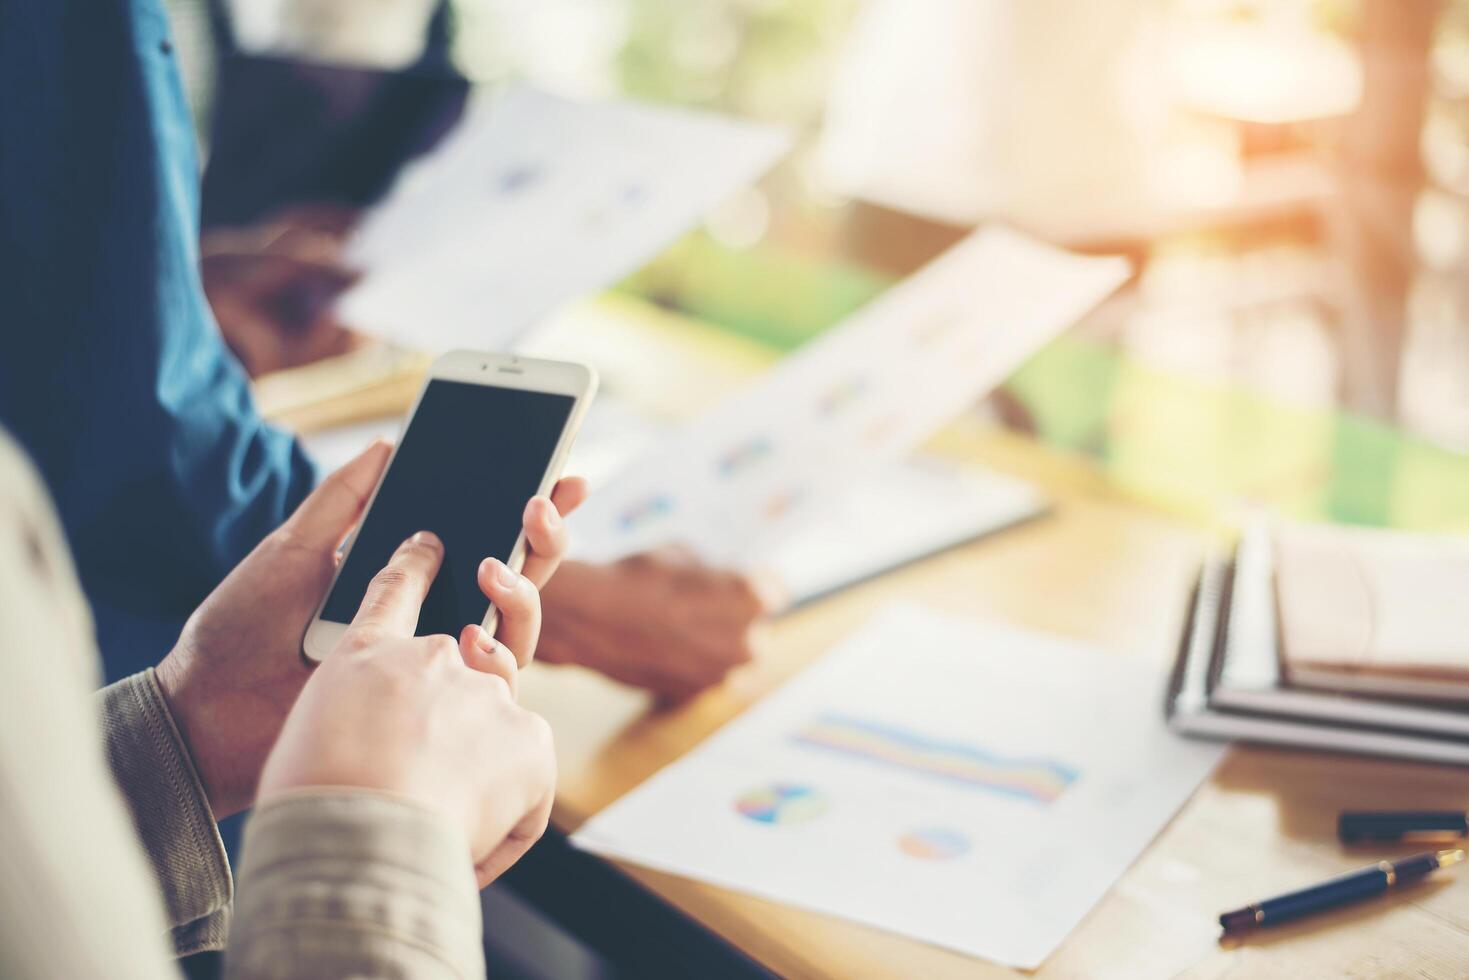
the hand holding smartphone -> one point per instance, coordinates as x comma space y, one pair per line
488, 433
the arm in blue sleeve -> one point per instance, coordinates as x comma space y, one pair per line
112, 372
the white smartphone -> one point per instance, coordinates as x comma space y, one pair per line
487, 433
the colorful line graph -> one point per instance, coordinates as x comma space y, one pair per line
745, 455
839, 396
1039, 780
649, 509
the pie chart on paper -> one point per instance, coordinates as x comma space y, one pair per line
934, 844
781, 803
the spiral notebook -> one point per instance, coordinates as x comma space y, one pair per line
1229, 681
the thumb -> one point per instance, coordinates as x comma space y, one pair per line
325, 517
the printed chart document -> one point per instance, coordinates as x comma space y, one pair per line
907, 510
867, 392
532, 201
971, 785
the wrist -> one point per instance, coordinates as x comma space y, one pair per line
178, 699
308, 772
161, 786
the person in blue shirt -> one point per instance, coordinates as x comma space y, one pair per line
114, 377
112, 373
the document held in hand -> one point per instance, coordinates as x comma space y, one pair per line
734, 483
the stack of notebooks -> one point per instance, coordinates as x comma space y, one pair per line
1346, 639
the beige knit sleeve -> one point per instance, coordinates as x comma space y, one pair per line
152, 768
350, 883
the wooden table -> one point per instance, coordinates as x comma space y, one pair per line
1109, 572
1099, 568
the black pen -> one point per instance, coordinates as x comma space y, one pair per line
1351, 887
1402, 826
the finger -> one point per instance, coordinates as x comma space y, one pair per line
484, 653
516, 843
679, 556
771, 593
519, 603
726, 649
546, 540
325, 517
327, 219
705, 663
569, 493
323, 337
311, 262
744, 599
268, 266
546, 536
396, 593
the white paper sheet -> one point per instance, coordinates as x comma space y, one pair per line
750, 473
971, 785
532, 201
907, 510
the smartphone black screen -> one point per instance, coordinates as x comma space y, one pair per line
471, 459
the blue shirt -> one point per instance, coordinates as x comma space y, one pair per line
113, 374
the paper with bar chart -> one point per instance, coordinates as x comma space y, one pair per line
969, 784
